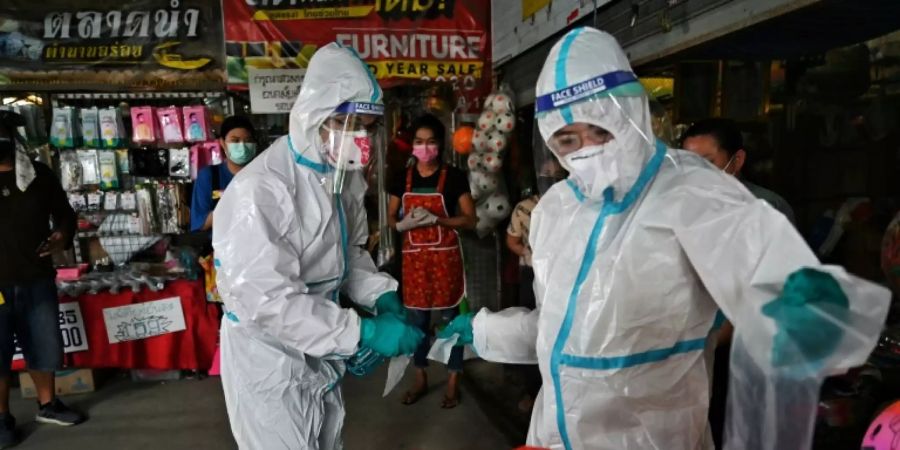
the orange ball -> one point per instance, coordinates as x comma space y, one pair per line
462, 140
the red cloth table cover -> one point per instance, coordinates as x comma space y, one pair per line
192, 348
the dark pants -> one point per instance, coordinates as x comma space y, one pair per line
422, 320
531, 374
719, 398
30, 312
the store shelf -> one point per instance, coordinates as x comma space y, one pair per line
135, 95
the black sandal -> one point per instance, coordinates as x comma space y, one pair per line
451, 402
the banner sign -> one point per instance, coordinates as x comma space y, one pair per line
71, 329
111, 45
144, 320
274, 90
400, 40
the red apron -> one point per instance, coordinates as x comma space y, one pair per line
432, 259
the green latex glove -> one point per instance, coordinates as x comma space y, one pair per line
807, 313
462, 326
389, 335
389, 303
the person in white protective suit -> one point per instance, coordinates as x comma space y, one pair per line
637, 256
287, 240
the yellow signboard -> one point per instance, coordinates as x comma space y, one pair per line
341, 12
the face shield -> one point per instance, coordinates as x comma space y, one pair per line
600, 130
351, 138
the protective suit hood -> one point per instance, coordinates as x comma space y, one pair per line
335, 76
587, 79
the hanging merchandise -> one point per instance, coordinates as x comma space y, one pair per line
62, 132
109, 177
170, 123
90, 127
69, 170
110, 201
462, 140
143, 125
145, 210
78, 202
127, 201
489, 141
195, 123
179, 162
167, 208
94, 201
112, 128
147, 162
216, 155
90, 167
122, 161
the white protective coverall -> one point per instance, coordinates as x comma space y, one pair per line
285, 245
634, 258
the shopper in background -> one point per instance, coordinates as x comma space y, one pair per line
30, 199
435, 202
237, 138
289, 238
517, 242
720, 142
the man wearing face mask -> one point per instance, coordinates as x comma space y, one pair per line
720, 142
237, 138
434, 202
35, 221
638, 257
288, 238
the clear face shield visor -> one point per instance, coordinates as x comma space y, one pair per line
591, 113
352, 137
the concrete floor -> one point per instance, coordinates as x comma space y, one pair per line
190, 415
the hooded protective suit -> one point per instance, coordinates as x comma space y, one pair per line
636, 257
285, 245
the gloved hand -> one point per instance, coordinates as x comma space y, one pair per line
390, 336
364, 362
461, 325
409, 222
426, 218
809, 315
389, 303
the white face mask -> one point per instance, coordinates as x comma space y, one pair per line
594, 168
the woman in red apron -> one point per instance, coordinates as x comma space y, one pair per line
435, 203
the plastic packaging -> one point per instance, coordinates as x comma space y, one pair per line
179, 162
143, 125
170, 123
69, 170
90, 167
62, 133
90, 127
109, 176
112, 128
195, 123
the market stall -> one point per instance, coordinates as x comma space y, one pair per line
121, 99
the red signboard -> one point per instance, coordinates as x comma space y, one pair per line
400, 40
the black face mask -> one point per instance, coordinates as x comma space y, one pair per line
7, 148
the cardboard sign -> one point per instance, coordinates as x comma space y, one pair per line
143, 320
273, 91
71, 329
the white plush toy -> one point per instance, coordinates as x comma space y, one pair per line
486, 121
475, 162
496, 207
492, 162
496, 141
479, 141
505, 122
498, 103
486, 182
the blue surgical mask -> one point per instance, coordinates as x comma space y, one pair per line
241, 153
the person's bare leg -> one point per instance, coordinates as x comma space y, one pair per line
420, 386
45, 384
4, 394
451, 398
